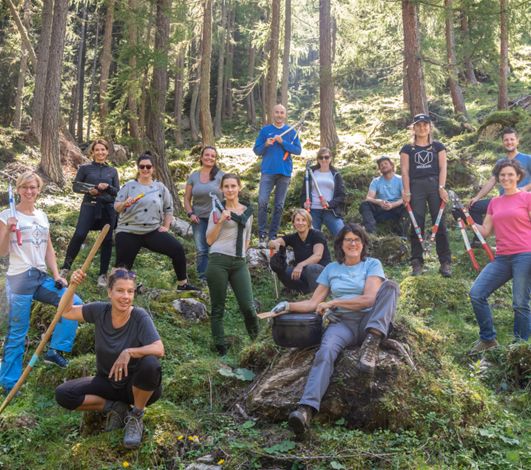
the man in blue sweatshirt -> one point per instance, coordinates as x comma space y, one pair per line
277, 165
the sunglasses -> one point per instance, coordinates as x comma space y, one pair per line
324, 157
122, 273
145, 167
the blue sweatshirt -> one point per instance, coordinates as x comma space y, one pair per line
273, 162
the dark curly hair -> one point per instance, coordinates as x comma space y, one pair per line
513, 164
356, 229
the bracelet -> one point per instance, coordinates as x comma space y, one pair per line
407, 194
441, 187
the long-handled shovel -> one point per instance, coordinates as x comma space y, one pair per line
65, 300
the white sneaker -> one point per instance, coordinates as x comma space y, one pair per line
102, 280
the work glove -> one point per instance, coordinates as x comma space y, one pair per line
281, 307
458, 214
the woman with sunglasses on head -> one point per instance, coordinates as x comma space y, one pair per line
128, 348
145, 206
198, 203
99, 183
360, 312
332, 189
26, 239
229, 241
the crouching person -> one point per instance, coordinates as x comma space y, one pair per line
128, 348
360, 311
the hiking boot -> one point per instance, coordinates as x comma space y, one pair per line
221, 349
185, 287
482, 345
369, 354
299, 420
416, 267
262, 243
134, 427
116, 416
446, 269
56, 358
102, 280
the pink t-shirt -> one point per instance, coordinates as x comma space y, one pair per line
512, 224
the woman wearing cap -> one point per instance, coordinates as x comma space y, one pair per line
100, 184
332, 188
145, 206
128, 348
424, 168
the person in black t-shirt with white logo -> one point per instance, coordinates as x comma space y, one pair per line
424, 168
310, 250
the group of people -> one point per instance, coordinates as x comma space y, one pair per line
352, 291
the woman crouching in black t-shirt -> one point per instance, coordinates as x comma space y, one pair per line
310, 250
127, 350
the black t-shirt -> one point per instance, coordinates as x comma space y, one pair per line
110, 342
423, 160
304, 249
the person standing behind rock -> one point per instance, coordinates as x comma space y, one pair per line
198, 203
276, 169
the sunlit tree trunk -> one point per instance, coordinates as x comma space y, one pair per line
221, 63
205, 118
251, 106
272, 68
467, 55
93, 80
81, 74
106, 59
503, 95
285, 54
23, 69
228, 108
132, 88
178, 99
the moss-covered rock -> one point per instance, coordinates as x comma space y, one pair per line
390, 250
85, 341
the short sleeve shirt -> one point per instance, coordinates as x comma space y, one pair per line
348, 282
388, 190
423, 160
201, 201
110, 342
525, 162
304, 249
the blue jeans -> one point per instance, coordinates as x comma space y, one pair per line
494, 275
322, 216
201, 246
21, 290
267, 183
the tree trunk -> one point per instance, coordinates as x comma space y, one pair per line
251, 108
228, 108
50, 150
93, 79
132, 87
43, 54
326, 80
503, 96
467, 55
272, 69
456, 93
221, 63
106, 59
23, 69
73, 109
205, 118
23, 30
157, 98
412, 54
81, 74
145, 78
178, 101
285, 54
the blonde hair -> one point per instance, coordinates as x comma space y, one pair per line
29, 175
304, 213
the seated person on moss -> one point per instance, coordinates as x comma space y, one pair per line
128, 348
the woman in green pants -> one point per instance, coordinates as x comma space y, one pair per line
229, 240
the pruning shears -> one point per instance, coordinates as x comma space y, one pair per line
13, 212
216, 206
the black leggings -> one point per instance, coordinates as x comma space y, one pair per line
147, 377
87, 221
129, 244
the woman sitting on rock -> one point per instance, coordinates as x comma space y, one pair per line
310, 250
229, 240
509, 216
128, 348
145, 206
360, 311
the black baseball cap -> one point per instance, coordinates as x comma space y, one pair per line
421, 118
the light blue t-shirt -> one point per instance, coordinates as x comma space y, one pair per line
525, 163
388, 190
347, 282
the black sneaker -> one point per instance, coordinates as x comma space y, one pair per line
54, 357
116, 416
186, 287
299, 420
446, 269
134, 427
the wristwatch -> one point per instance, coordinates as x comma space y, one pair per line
441, 187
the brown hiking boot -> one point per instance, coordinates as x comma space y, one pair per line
299, 420
369, 354
481, 346
416, 267
446, 269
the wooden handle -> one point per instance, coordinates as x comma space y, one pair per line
265, 315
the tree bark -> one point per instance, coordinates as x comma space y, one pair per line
23, 69
205, 118
228, 108
43, 52
458, 100
178, 100
503, 95
23, 30
106, 59
327, 125
251, 107
467, 54
81, 74
132, 88
285, 54
145, 78
221, 63
50, 150
412, 55
93, 79
272, 69
157, 98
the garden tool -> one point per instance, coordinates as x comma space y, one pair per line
13, 213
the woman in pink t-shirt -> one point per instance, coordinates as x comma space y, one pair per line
509, 216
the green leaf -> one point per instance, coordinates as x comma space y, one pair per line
336, 465
281, 447
341, 422
226, 372
244, 374
248, 424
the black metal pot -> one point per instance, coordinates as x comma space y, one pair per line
297, 330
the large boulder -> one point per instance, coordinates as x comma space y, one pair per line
192, 310
390, 249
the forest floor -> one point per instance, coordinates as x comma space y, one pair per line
463, 414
